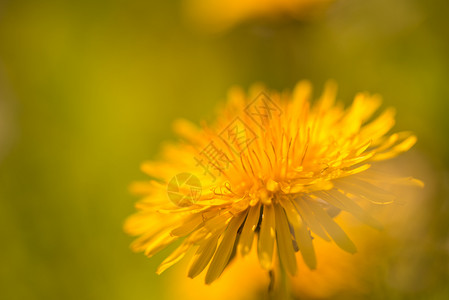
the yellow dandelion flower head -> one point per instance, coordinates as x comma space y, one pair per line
223, 14
272, 170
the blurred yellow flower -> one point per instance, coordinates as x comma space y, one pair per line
221, 15
274, 169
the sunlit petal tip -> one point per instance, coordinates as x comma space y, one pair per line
417, 182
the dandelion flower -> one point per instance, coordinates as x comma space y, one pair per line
270, 174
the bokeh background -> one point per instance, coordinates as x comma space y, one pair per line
89, 90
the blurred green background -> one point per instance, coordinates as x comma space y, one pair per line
89, 89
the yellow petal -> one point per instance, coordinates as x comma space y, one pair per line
223, 254
247, 234
301, 94
266, 237
407, 181
173, 258
328, 97
337, 234
187, 130
380, 126
364, 190
341, 201
203, 256
284, 241
292, 213
158, 243
305, 245
309, 218
396, 150
188, 226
